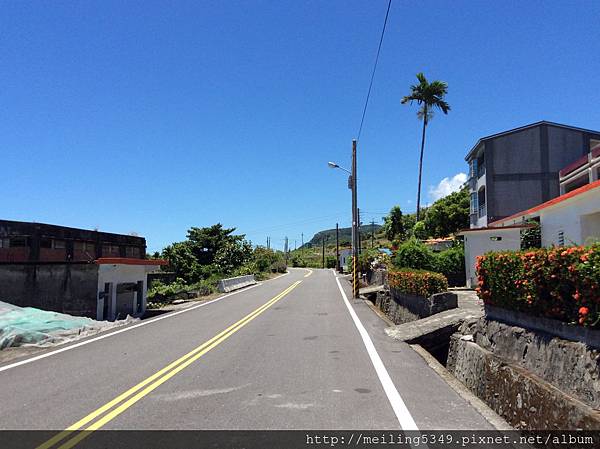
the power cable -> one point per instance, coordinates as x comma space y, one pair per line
387, 13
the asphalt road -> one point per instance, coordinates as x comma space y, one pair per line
288, 354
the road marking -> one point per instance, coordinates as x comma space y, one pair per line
308, 274
127, 328
404, 417
155, 381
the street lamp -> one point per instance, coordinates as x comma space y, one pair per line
334, 165
352, 186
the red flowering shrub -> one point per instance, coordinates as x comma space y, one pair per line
561, 282
417, 282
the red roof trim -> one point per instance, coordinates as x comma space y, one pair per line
492, 228
129, 261
552, 202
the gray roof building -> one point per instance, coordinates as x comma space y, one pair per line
518, 169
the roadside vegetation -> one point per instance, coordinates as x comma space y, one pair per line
208, 255
561, 283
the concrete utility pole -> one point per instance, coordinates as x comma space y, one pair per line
285, 250
337, 247
354, 224
323, 263
372, 233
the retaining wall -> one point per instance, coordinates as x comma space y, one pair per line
534, 379
402, 308
66, 287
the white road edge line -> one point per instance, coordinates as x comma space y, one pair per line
404, 417
127, 328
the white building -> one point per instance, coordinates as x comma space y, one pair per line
345, 255
479, 241
570, 219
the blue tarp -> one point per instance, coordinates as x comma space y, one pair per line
30, 326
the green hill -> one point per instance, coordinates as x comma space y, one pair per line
345, 235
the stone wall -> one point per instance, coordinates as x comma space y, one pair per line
533, 379
66, 287
403, 308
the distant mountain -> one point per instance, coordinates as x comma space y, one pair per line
345, 235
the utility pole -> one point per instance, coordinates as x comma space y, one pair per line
295, 248
285, 250
337, 247
353, 185
372, 233
302, 246
323, 263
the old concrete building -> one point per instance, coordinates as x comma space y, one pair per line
518, 169
30, 242
75, 271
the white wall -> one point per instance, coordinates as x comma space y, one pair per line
567, 217
119, 274
477, 243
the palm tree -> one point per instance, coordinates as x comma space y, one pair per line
429, 96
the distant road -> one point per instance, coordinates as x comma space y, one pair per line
285, 354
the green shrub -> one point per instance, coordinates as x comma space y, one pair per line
330, 262
417, 282
298, 261
414, 254
450, 261
278, 267
562, 283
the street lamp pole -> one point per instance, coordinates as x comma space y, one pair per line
352, 186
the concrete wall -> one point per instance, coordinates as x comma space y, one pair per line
66, 288
477, 243
37, 233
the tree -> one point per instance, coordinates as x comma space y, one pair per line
393, 224
429, 96
449, 214
207, 251
419, 231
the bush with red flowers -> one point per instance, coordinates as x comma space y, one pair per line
417, 282
562, 283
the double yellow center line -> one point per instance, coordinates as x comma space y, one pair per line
122, 402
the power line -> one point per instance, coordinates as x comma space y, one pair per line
374, 69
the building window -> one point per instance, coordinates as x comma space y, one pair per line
85, 247
45, 243
474, 207
19, 242
132, 251
109, 250
4, 243
58, 244
482, 210
473, 168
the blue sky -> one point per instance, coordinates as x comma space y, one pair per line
151, 117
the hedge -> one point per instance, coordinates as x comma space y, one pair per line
418, 282
562, 283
